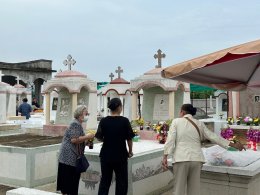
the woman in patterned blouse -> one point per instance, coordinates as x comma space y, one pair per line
68, 177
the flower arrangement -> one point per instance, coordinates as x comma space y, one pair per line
253, 137
136, 137
39, 110
256, 121
238, 120
227, 134
248, 120
138, 122
230, 120
90, 143
244, 120
162, 131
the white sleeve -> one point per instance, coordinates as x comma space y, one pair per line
170, 142
214, 137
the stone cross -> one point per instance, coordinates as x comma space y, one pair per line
69, 61
18, 80
111, 76
1, 75
119, 71
159, 56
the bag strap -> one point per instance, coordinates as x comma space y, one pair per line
78, 149
197, 128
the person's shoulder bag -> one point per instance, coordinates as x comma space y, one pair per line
82, 163
197, 128
203, 142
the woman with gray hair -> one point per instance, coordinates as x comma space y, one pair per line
68, 177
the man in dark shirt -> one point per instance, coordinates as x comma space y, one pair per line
25, 108
35, 103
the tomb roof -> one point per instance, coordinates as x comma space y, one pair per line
5, 84
154, 71
18, 86
70, 73
119, 81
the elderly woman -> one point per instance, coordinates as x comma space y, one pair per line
68, 177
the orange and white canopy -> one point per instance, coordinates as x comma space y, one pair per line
235, 68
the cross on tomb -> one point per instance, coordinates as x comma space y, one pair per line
1, 75
119, 71
18, 80
159, 56
69, 61
111, 76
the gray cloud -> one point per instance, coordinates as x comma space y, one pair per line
102, 35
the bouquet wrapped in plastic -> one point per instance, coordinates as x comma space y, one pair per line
219, 156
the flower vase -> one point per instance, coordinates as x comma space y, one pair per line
90, 144
162, 142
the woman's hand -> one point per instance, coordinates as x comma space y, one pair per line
82, 139
165, 162
130, 154
237, 145
90, 136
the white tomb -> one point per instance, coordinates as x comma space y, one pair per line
162, 98
74, 88
245, 103
145, 172
117, 88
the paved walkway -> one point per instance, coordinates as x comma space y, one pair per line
4, 189
167, 193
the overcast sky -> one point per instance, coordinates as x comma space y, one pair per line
103, 34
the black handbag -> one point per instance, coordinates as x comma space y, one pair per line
82, 163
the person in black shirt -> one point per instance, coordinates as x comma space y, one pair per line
113, 131
35, 104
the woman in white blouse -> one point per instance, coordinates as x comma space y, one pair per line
184, 143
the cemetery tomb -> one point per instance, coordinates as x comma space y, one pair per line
29, 160
162, 98
74, 89
145, 173
117, 88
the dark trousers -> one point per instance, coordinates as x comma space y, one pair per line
68, 179
121, 172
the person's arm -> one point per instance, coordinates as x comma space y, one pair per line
219, 140
129, 136
20, 109
169, 144
130, 148
82, 139
99, 134
74, 134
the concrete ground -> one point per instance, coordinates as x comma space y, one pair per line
4, 189
52, 188
167, 193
